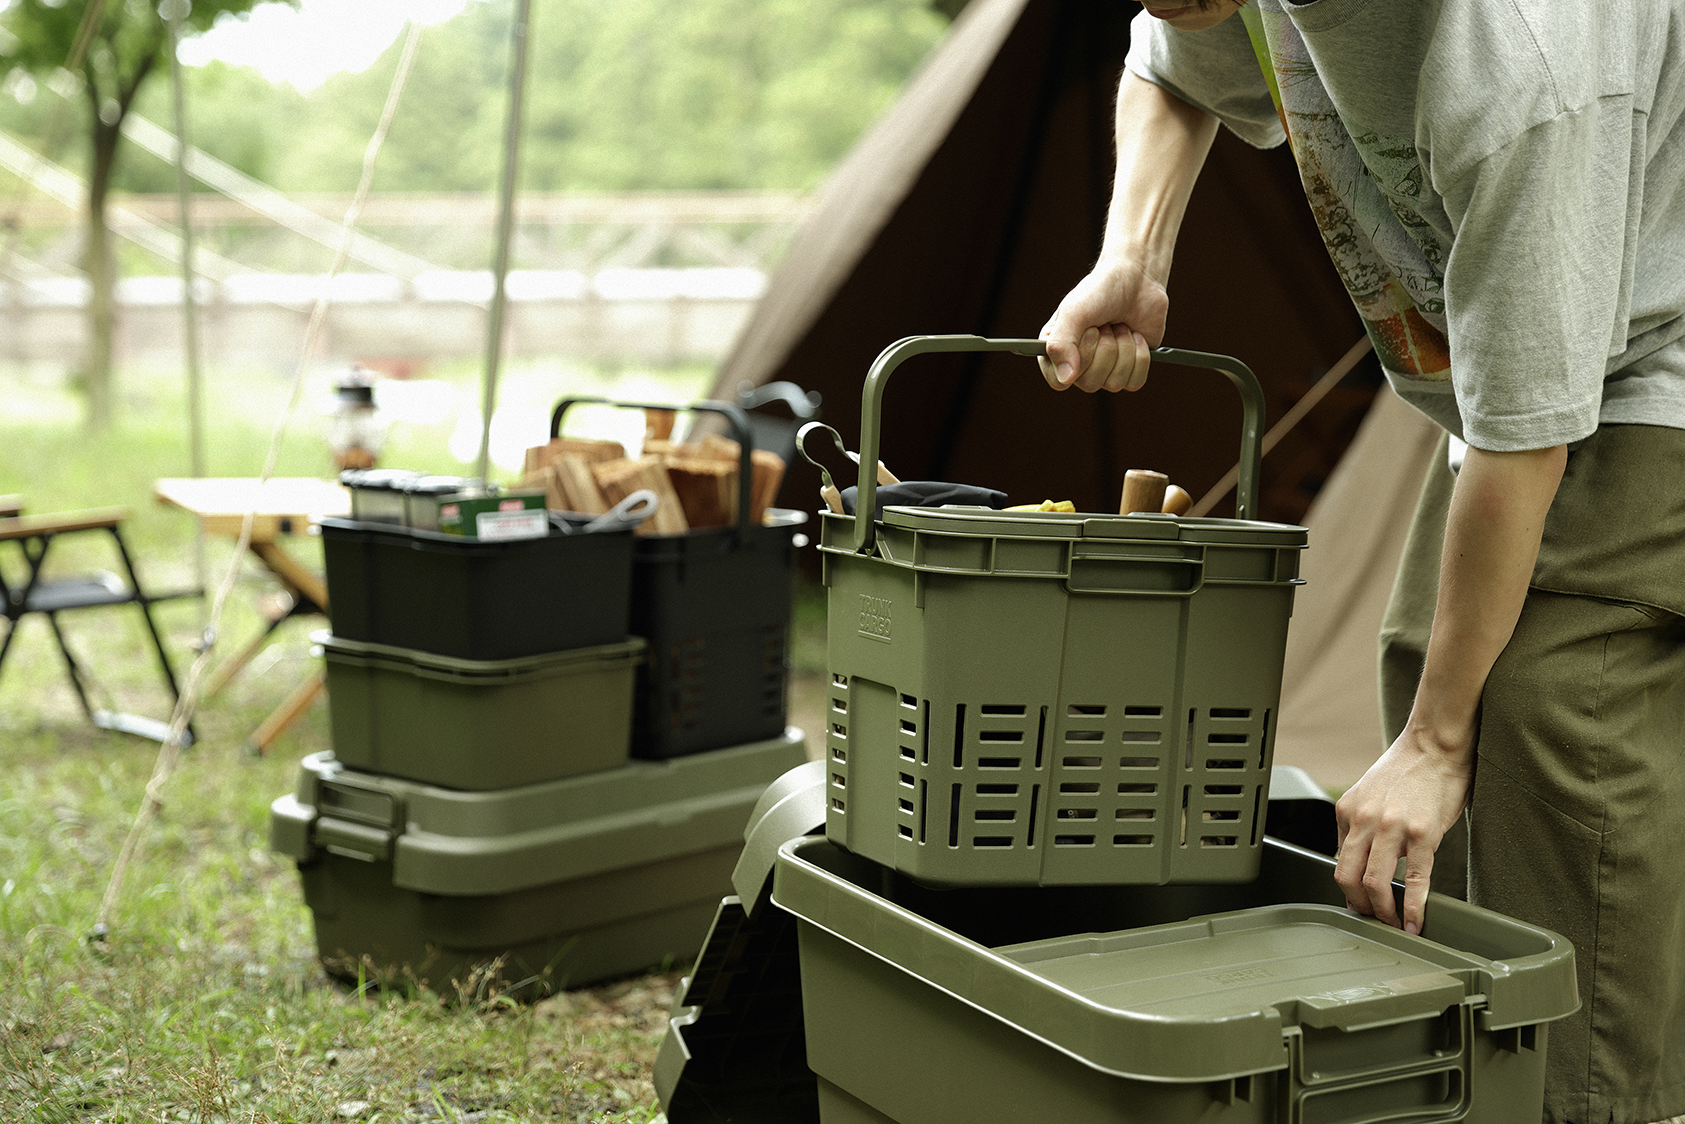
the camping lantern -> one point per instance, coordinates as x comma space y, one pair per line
355, 427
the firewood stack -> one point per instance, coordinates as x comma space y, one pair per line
696, 482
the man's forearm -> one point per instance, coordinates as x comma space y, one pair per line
1491, 543
1162, 142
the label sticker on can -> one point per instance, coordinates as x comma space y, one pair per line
529, 523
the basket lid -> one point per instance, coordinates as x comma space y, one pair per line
1088, 525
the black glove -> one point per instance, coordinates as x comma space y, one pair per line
927, 493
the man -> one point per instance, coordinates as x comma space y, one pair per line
1501, 186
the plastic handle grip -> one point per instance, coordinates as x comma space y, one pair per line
871, 404
1087, 572
734, 415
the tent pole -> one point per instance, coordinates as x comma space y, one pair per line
175, 12
505, 226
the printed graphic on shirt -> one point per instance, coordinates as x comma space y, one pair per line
1363, 191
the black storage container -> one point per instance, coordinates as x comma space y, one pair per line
477, 599
714, 605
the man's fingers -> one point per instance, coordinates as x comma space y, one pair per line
1418, 872
1351, 860
1087, 347
1103, 362
1377, 884
1120, 361
1060, 366
1142, 356
1105, 357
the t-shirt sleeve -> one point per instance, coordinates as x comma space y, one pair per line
1535, 278
1214, 70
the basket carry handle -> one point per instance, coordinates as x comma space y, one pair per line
871, 402
734, 415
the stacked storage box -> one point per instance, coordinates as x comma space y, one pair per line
1044, 890
480, 821
559, 883
714, 605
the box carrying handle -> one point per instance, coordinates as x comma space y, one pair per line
1414, 1085
355, 821
871, 400
734, 415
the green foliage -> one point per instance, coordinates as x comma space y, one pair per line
115, 56
621, 95
233, 113
739, 93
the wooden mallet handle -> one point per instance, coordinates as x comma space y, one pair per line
1143, 490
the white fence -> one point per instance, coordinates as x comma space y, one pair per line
653, 316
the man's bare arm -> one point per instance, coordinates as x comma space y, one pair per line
1405, 802
1099, 336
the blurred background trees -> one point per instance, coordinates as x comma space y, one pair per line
110, 49
623, 95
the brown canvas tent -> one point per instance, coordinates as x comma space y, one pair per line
972, 206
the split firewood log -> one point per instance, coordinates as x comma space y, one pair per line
707, 489
576, 484
768, 473
619, 479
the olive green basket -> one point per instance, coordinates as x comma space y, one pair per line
1045, 698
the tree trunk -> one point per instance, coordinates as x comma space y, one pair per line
101, 265
102, 282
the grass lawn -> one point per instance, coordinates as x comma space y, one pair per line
204, 1001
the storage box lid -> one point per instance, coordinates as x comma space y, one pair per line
448, 841
1209, 998
441, 485
378, 479
416, 661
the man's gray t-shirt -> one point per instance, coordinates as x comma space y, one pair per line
1501, 186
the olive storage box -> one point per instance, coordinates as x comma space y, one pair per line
480, 724
715, 606
556, 885
477, 599
1043, 698
1264, 1003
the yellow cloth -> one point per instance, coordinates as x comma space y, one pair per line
1045, 505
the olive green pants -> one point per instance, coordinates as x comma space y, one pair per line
1577, 817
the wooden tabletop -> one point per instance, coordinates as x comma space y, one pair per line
283, 504
34, 526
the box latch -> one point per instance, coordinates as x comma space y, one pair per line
357, 822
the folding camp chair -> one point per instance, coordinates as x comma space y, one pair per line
35, 535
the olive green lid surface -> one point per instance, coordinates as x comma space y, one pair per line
1315, 963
